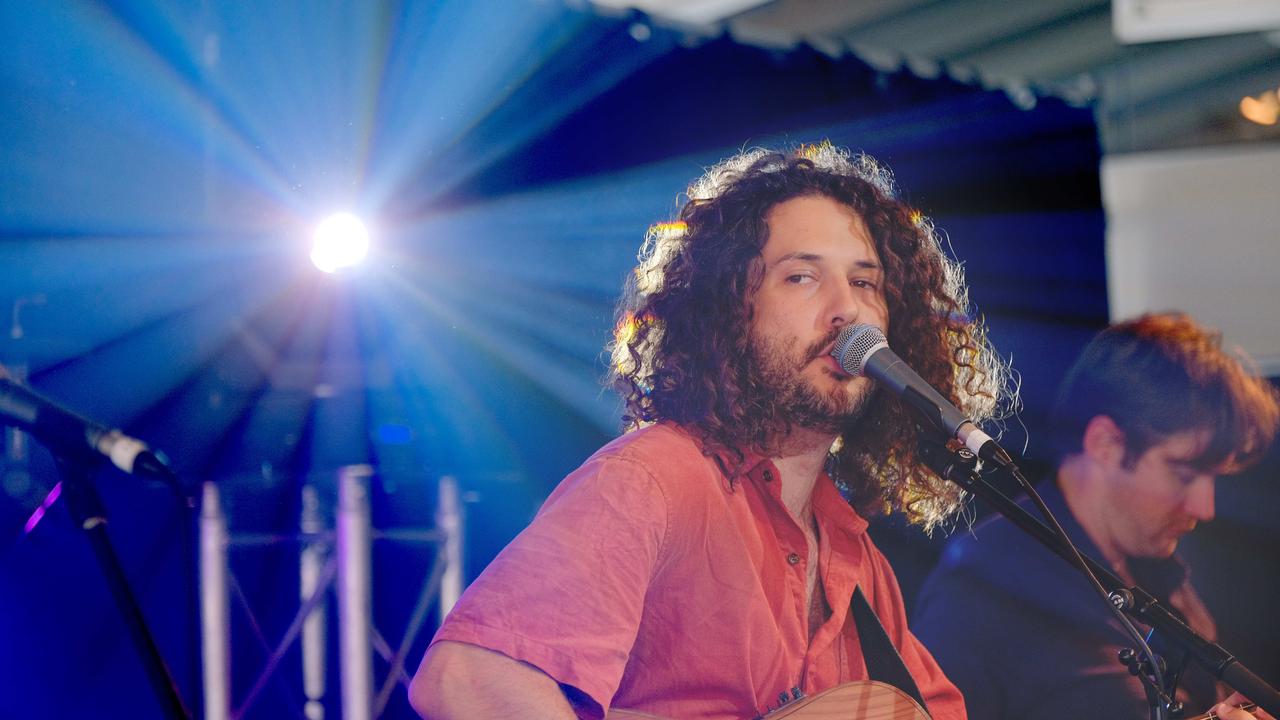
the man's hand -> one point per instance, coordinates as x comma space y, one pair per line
1229, 710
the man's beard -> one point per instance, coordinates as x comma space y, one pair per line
793, 398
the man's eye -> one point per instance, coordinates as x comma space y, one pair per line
863, 284
798, 279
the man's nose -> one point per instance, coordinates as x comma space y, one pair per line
844, 305
1199, 502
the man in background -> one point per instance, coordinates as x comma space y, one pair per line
1150, 414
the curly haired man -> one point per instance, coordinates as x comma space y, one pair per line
705, 563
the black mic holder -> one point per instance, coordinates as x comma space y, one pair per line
961, 467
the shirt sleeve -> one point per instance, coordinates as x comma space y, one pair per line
567, 595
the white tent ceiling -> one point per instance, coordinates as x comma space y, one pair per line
1151, 95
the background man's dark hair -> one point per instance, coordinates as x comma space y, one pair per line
682, 346
1162, 374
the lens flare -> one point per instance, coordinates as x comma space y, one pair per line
339, 241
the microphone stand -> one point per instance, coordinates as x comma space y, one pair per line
91, 515
961, 467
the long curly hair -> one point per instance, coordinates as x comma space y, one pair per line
682, 348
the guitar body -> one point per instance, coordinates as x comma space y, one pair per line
862, 700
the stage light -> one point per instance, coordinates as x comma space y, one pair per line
339, 241
1263, 110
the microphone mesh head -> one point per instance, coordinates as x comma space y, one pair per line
855, 344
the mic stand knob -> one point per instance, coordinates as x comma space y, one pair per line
1162, 706
1122, 599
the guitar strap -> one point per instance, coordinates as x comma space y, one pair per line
884, 664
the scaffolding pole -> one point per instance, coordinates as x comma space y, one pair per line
311, 561
215, 615
450, 522
355, 611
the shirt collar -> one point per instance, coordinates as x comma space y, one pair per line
832, 509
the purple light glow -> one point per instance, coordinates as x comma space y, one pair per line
38, 515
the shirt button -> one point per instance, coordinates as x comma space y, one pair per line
768, 476
793, 559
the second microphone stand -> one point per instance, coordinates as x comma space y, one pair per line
89, 513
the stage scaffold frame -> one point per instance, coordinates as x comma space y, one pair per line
338, 559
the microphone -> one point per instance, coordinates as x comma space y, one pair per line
862, 350
67, 433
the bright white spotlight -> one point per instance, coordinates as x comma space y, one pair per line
339, 241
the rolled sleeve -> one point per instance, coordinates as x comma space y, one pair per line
567, 595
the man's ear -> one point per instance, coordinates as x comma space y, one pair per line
1103, 441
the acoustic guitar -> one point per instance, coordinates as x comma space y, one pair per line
861, 700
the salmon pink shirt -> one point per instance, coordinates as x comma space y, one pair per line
660, 579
